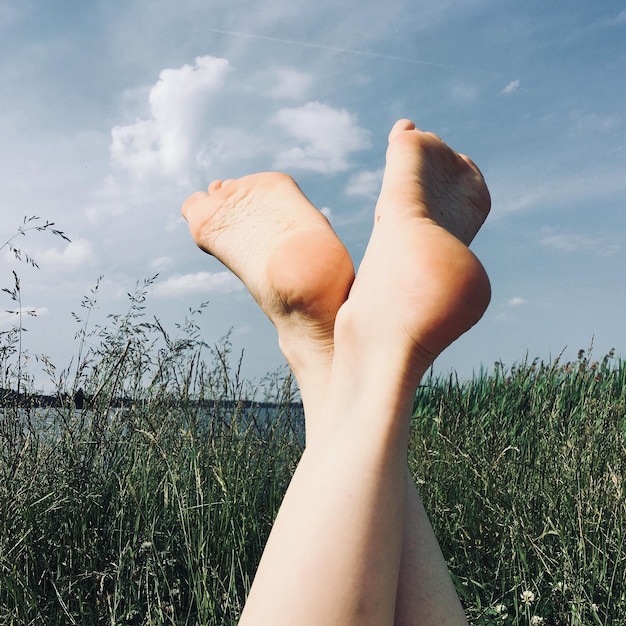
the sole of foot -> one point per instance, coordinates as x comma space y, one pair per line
265, 230
419, 287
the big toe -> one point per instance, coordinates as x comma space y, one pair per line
401, 126
192, 202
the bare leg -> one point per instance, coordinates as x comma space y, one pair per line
265, 230
417, 592
425, 591
335, 551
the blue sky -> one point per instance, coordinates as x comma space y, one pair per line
112, 113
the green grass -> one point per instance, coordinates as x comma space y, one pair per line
152, 504
522, 471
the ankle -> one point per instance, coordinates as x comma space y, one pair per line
372, 361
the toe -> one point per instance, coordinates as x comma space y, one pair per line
400, 126
191, 201
215, 185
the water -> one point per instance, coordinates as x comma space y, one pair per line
52, 419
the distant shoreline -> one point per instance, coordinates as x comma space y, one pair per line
42, 400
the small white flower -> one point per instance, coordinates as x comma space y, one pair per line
501, 608
527, 597
535, 620
146, 545
595, 607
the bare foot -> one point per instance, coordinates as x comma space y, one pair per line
447, 187
419, 287
265, 230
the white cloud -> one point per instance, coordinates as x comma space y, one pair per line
165, 143
229, 145
161, 263
75, 254
107, 201
199, 282
9, 318
579, 242
516, 301
327, 213
327, 138
174, 221
524, 192
242, 331
366, 184
289, 83
565, 242
512, 87
173, 139
100, 212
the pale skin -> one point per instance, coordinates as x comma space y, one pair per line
352, 543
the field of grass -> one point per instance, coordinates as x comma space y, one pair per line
152, 503
523, 473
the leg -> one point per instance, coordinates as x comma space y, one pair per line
334, 555
304, 314
426, 594
264, 229
418, 596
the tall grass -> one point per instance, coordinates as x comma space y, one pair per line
151, 503
523, 472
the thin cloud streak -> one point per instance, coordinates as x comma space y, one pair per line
364, 53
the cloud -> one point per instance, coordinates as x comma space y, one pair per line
241, 331
516, 301
579, 242
229, 145
9, 318
161, 263
173, 140
327, 138
327, 213
512, 87
289, 83
74, 255
523, 192
366, 184
165, 143
108, 201
199, 282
